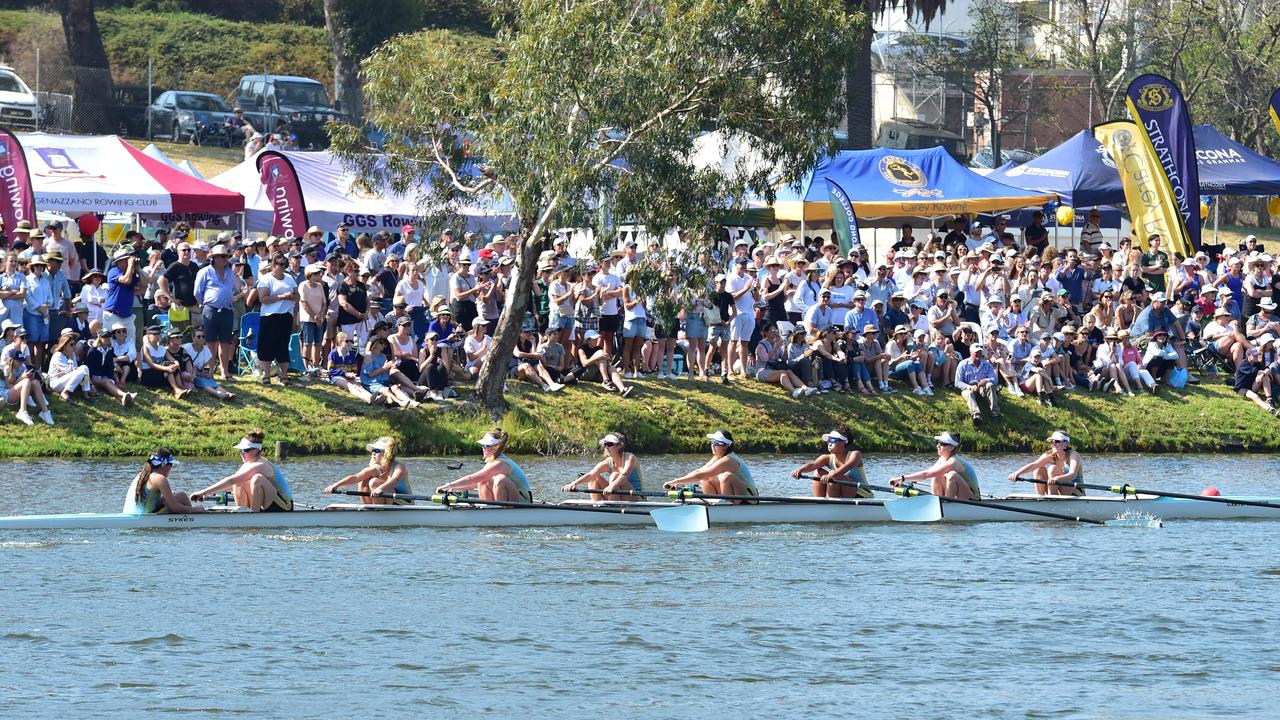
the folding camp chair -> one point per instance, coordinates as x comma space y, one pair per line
247, 352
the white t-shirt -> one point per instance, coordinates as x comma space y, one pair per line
793, 281
199, 359
636, 311
607, 282
472, 346
842, 296
277, 287
557, 288
745, 303
415, 297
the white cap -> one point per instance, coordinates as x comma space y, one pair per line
1159, 297
245, 444
591, 335
946, 438
497, 238
610, 439
488, 441
1265, 338
479, 321
1059, 436
380, 446
835, 435
719, 437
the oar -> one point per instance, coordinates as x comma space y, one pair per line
1126, 490
687, 494
920, 506
447, 499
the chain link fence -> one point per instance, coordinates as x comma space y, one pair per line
65, 98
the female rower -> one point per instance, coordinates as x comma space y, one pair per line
500, 478
619, 470
1057, 469
385, 474
724, 474
258, 485
837, 463
150, 493
952, 475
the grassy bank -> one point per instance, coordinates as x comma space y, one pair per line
660, 417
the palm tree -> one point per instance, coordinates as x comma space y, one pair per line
858, 76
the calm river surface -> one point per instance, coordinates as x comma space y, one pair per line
985, 620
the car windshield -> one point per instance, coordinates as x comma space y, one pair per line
11, 83
301, 94
206, 103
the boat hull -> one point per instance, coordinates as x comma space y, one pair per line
853, 511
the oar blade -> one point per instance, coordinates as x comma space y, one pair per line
681, 518
922, 508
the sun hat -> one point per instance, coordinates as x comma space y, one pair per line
835, 435
610, 439
901, 329
246, 444
219, 250
1059, 436
488, 441
314, 268
1267, 303
721, 437
479, 321
947, 438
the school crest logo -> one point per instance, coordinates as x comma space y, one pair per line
1154, 97
907, 175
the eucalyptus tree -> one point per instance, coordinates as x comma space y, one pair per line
577, 99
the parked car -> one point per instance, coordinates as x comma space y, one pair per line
132, 102
182, 115
288, 105
908, 134
17, 102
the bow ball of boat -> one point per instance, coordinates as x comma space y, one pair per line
569, 513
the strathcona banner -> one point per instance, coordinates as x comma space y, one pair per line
1161, 112
280, 181
19, 200
843, 218
1147, 192
1274, 109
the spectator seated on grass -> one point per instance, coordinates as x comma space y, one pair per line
101, 361
66, 375
20, 380
771, 365
1253, 381
596, 365
197, 358
158, 366
344, 368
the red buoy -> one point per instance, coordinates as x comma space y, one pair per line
1211, 491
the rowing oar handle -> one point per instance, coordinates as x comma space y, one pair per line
903, 490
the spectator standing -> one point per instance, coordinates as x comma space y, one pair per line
1034, 235
214, 291
1154, 264
608, 295
36, 308
312, 296
179, 280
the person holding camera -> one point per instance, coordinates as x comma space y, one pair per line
20, 382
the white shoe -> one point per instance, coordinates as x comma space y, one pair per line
810, 390
46, 416
929, 391
797, 392
918, 391
25, 417
546, 388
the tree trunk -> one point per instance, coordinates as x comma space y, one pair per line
995, 137
858, 93
347, 93
493, 373
94, 104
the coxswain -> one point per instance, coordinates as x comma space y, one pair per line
951, 476
837, 463
150, 492
258, 485
1059, 471
619, 470
384, 476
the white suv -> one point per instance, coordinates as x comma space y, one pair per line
17, 102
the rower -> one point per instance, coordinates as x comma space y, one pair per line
258, 485
150, 493
500, 478
837, 463
619, 470
385, 475
1060, 470
952, 475
724, 474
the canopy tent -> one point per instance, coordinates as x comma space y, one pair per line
155, 153
1078, 171
333, 195
1229, 168
77, 174
186, 167
900, 183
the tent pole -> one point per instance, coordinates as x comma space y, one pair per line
1215, 221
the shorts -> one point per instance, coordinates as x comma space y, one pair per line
662, 331
273, 342
635, 328
719, 333
610, 323
904, 367
695, 327
742, 327
219, 325
312, 333
36, 325
561, 322
762, 374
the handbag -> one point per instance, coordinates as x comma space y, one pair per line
1178, 377
712, 315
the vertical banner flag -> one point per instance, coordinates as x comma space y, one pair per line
843, 218
19, 199
1147, 192
1161, 113
1274, 109
284, 191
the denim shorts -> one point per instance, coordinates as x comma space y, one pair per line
312, 333
635, 328
904, 367
561, 322
36, 325
695, 326
719, 333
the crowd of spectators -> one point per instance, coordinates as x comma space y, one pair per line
391, 320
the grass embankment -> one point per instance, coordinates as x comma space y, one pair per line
661, 417
210, 160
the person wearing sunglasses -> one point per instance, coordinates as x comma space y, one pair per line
385, 475
150, 492
258, 485
277, 294
1058, 471
952, 475
837, 463
618, 471
724, 474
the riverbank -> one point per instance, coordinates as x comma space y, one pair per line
662, 416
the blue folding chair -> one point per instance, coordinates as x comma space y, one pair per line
247, 353
295, 352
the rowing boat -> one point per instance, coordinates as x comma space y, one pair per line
849, 511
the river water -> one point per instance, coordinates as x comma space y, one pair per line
999, 620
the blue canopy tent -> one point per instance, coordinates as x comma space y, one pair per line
1078, 171
1229, 168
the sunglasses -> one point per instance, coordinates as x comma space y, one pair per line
376, 451
832, 441
608, 444
198, 337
